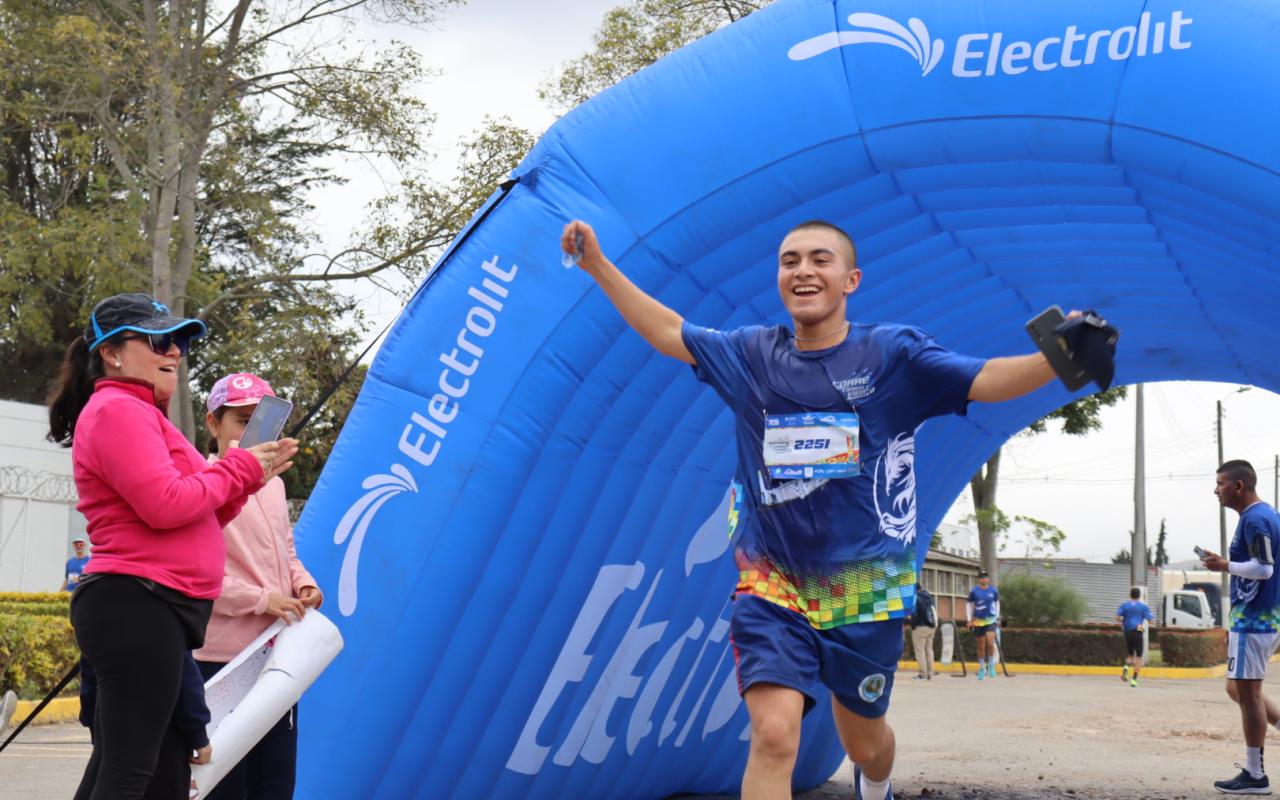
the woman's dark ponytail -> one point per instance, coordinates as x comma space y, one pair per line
71, 390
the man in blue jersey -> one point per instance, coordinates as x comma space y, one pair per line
1133, 616
983, 613
1254, 625
76, 564
825, 420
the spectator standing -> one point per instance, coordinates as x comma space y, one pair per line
154, 510
924, 622
264, 581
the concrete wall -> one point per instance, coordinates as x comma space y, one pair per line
37, 502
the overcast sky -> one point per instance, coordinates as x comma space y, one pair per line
494, 54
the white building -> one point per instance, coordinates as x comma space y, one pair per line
958, 540
37, 502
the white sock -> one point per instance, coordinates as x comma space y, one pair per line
1253, 761
873, 790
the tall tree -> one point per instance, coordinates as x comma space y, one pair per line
1078, 418
1162, 555
1123, 556
633, 36
170, 87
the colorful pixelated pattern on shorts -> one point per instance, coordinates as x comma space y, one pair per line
859, 591
1244, 619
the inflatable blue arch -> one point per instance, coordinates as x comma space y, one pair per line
520, 532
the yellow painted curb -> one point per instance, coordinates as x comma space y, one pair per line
1069, 669
60, 709
1217, 671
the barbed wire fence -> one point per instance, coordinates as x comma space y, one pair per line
26, 484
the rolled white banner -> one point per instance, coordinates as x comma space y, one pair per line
258, 687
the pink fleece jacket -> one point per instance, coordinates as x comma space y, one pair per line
261, 559
154, 508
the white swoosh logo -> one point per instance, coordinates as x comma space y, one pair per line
355, 523
880, 30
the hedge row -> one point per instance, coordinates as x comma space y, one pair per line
35, 652
63, 598
35, 609
1193, 648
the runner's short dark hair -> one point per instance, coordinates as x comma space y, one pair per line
1240, 470
822, 224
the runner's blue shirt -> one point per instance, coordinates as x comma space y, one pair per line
984, 603
1134, 613
75, 567
1255, 605
839, 550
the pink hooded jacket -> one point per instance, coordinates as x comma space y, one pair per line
261, 559
154, 508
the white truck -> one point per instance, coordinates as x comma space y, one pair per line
1187, 608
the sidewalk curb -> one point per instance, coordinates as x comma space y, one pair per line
61, 709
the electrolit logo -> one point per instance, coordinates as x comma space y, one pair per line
978, 55
689, 693
423, 436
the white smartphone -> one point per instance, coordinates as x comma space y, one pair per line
1201, 552
267, 421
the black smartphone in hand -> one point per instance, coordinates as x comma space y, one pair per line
1042, 329
267, 421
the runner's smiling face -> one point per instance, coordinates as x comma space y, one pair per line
816, 275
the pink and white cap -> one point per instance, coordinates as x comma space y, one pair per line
238, 389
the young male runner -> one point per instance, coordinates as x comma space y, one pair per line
1133, 615
983, 612
825, 421
1254, 625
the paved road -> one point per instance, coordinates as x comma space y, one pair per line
1031, 737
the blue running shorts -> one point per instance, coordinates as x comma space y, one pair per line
856, 662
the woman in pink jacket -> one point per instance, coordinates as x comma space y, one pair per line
155, 511
264, 581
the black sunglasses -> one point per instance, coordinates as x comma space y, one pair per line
161, 342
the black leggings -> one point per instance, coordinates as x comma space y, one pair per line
136, 645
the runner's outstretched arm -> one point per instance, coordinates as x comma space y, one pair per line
659, 325
1010, 377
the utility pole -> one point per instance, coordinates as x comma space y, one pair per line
1275, 483
1222, 526
1138, 562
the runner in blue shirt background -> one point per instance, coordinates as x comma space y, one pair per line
1133, 616
75, 566
983, 613
1253, 629
825, 419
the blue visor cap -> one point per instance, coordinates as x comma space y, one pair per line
1091, 345
135, 311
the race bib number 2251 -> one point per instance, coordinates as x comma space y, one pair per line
811, 445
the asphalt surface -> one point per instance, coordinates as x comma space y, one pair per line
1030, 737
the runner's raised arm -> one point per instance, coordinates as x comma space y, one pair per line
659, 325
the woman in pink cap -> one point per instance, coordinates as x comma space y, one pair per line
264, 581
154, 510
